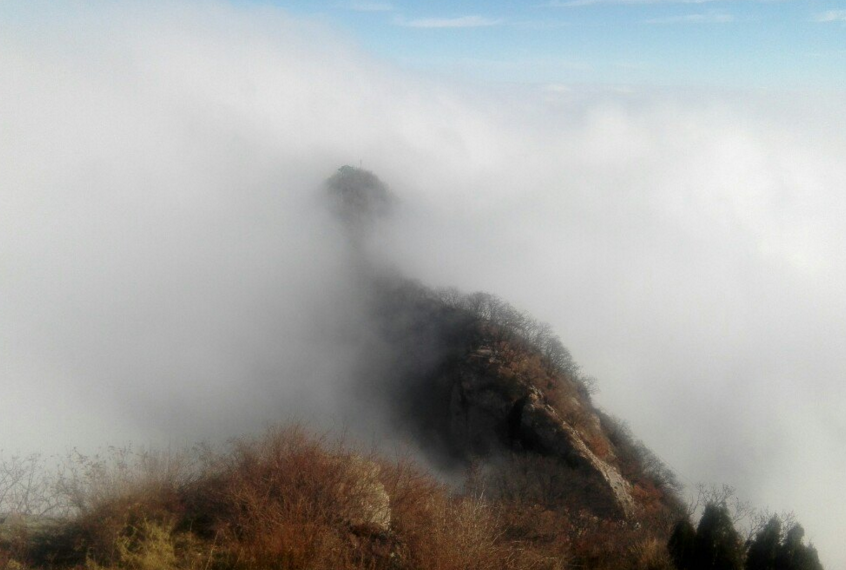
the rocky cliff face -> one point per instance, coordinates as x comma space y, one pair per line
488, 416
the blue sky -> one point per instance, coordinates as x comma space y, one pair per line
720, 43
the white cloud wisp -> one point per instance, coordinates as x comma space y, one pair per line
448, 23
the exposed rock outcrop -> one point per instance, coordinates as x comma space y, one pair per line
490, 414
368, 502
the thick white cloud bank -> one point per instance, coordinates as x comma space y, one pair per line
165, 274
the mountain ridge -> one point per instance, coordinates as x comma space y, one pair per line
494, 380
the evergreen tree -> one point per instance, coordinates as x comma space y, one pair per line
764, 548
810, 560
681, 545
793, 555
718, 545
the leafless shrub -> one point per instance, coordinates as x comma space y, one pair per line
746, 518
28, 488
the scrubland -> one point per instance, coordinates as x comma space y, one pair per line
291, 499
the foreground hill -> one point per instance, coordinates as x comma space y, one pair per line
293, 500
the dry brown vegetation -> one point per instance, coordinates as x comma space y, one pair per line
291, 500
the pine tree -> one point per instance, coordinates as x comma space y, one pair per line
718, 545
681, 545
764, 548
793, 555
810, 559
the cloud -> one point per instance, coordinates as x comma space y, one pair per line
459, 22
632, 65
168, 274
580, 3
544, 24
559, 88
693, 19
499, 66
370, 6
829, 53
831, 16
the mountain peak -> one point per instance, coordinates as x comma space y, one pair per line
359, 198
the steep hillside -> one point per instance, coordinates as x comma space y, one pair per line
474, 380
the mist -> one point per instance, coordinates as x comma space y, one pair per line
169, 272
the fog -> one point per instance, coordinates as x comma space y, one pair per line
168, 272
